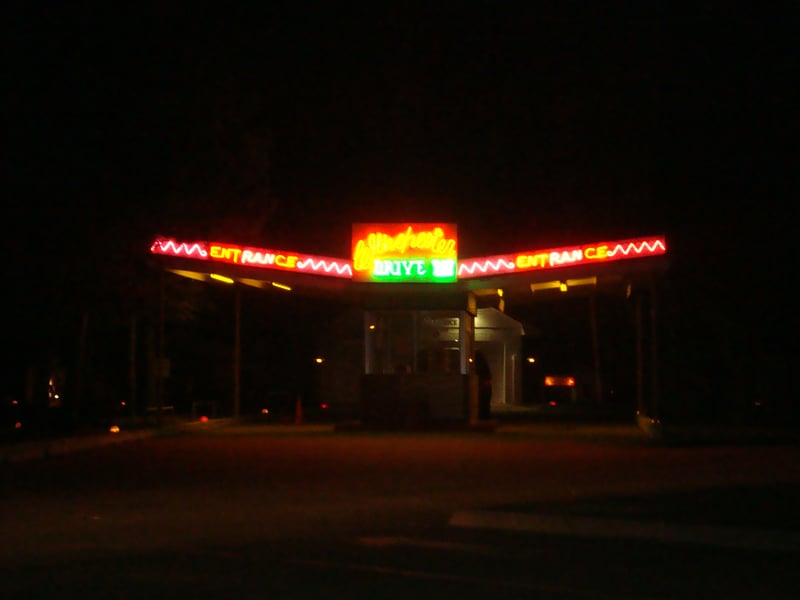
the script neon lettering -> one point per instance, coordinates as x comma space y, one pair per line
222, 253
599, 253
376, 244
434, 241
362, 257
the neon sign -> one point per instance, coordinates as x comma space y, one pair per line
255, 257
173, 248
405, 252
600, 252
421, 252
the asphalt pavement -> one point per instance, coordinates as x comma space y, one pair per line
514, 423
558, 509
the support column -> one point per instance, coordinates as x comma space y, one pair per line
237, 352
132, 374
647, 406
162, 302
468, 358
598, 381
654, 395
641, 408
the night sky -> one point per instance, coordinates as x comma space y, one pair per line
280, 126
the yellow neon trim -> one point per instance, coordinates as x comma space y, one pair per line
584, 281
282, 286
256, 283
189, 274
545, 285
221, 278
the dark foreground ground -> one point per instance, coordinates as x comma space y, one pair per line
523, 510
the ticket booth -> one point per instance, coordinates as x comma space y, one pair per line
418, 363
417, 366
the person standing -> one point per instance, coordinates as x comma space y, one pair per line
484, 373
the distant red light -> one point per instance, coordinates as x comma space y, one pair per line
203, 419
559, 381
553, 403
323, 406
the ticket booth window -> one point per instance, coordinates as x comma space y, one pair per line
438, 344
416, 341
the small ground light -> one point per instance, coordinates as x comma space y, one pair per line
323, 406
18, 425
114, 429
319, 360
203, 419
264, 411
531, 360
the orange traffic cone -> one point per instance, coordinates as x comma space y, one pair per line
298, 411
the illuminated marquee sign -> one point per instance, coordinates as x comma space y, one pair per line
405, 252
535, 260
415, 252
255, 257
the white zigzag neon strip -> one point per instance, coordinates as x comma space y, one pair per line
483, 267
637, 249
323, 265
184, 249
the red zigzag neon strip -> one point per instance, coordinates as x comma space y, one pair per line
182, 249
637, 249
483, 267
323, 265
